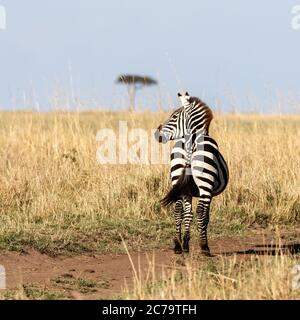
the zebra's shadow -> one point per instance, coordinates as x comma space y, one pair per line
270, 249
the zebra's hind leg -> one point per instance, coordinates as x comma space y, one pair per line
187, 218
178, 221
202, 222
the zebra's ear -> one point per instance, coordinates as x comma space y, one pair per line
179, 94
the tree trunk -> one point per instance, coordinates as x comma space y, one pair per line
131, 95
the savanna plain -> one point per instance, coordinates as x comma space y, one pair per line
71, 228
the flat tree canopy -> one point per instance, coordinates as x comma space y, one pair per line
135, 79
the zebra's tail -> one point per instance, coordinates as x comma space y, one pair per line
182, 187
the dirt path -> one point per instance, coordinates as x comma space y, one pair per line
102, 276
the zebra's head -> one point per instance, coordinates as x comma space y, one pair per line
171, 129
175, 127
193, 117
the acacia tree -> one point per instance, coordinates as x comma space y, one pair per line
133, 83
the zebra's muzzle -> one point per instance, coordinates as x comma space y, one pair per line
160, 137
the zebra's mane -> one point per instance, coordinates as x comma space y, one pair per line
208, 115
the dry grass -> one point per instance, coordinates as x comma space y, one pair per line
55, 197
259, 278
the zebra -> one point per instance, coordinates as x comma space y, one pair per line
198, 169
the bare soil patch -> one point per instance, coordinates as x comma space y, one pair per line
106, 276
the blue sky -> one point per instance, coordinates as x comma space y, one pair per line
233, 54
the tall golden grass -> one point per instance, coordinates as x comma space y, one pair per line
53, 187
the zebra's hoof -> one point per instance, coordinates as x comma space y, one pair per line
186, 247
178, 247
206, 253
205, 249
177, 251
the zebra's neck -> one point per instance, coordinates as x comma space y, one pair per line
198, 117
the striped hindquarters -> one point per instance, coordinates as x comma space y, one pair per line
209, 169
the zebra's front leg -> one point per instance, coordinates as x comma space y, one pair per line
202, 223
178, 221
187, 218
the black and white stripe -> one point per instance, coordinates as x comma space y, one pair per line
197, 168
